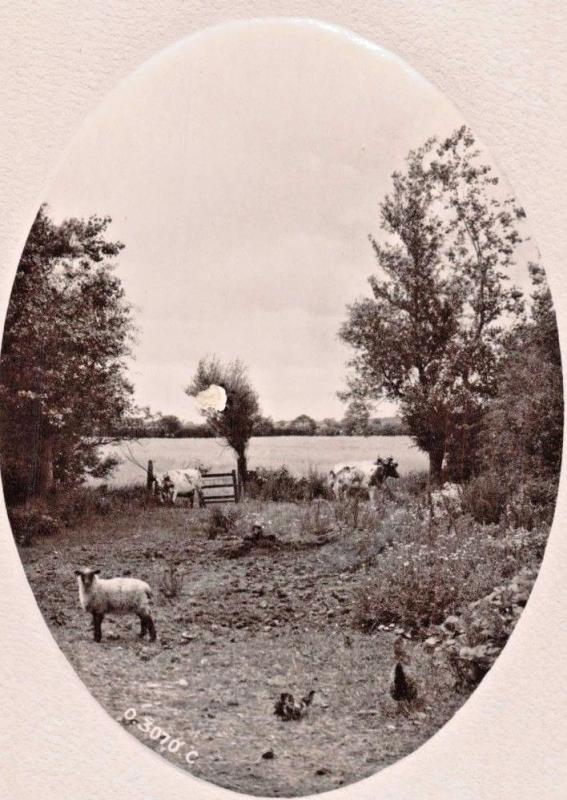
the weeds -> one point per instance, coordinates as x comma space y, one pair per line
170, 581
221, 521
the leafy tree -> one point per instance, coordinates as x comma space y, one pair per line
62, 366
356, 420
169, 425
264, 426
303, 426
522, 433
237, 422
328, 427
431, 334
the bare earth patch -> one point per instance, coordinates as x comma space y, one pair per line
232, 635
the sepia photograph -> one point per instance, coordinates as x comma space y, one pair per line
281, 407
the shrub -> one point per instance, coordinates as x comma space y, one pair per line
431, 572
317, 519
280, 485
170, 581
32, 520
485, 497
471, 643
221, 520
532, 504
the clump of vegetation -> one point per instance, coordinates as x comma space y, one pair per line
32, 520
221, 521
317, 520
433, 570
472, 642
280, 485
170, 581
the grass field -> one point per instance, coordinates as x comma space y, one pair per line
298, 453
236, 628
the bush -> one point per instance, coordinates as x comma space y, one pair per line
485, 497
280, 485
491, 497
431, 571
471, 643
317, 520
170, 581
220, 520
32, 520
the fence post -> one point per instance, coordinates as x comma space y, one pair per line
236, 487
149, 480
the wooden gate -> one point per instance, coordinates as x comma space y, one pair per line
209, 490
230, 482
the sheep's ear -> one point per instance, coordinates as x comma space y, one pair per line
78, 572
96, 572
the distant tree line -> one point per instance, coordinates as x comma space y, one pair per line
145, 425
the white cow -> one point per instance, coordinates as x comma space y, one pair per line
361, 477
176, 482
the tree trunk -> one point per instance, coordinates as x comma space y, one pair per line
45, 467
242, 468
436, 455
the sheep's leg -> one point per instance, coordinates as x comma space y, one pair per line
143, 626
150, 627
192, 499
97, 623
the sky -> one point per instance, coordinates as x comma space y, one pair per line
243, 171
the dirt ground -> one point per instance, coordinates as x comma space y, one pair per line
234, 632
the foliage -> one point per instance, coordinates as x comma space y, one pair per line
170, 581
434, 569
62, 368
522, 434
471, 642
236, 422
431, 334
221, 521
280, 485
356, 420
32, 520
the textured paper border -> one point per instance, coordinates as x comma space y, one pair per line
505, 65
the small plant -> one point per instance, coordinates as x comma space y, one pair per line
170, 581
221, 521
317, 519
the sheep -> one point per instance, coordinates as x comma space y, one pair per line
100, 596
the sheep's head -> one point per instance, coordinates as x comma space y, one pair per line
86, 576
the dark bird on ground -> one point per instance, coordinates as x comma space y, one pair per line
403, 686
287, 708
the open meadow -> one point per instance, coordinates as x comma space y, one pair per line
299, 453
317, 602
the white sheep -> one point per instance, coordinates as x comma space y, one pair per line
100, 596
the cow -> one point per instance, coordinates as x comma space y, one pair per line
361, 477
182, 482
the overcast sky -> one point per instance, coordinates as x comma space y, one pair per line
243, 171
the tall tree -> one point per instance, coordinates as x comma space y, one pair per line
62, 366
356, 420
522, 432
238, 420
430, 336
